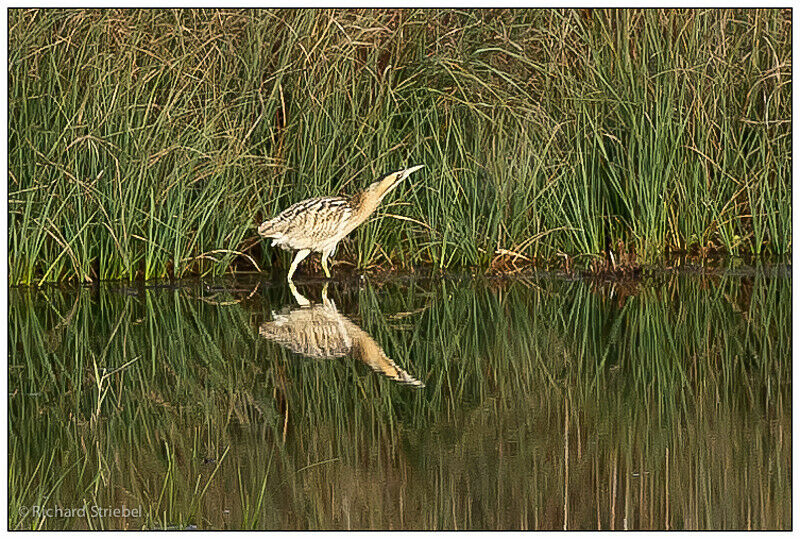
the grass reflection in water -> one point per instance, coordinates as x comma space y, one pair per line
547, 404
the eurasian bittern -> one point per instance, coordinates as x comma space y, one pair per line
320, 331
318, 224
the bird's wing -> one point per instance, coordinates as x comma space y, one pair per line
316, 219
314, 332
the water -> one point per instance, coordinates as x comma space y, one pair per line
547, 404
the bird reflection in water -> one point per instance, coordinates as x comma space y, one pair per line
319, 331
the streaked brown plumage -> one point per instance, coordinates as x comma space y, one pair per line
318, 224
319, 331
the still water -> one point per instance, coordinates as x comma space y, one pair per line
454, 403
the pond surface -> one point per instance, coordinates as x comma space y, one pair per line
457, 403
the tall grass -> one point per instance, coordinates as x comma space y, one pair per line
148, 143
547, 405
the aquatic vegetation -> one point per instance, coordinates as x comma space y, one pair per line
151, 143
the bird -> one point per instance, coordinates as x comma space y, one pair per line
319, 331
318, 224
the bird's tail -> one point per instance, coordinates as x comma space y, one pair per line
267, 229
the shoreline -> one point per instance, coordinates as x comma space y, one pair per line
348, 278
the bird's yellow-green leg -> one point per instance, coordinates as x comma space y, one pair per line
300, 298
325, 264
301, 254
325, 299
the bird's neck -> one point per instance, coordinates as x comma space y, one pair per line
367, 201
365, 204
375, 193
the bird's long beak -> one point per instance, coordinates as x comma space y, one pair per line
407, 172
403, 174
383, 187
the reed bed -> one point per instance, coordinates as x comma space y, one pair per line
150, 143
547, 405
